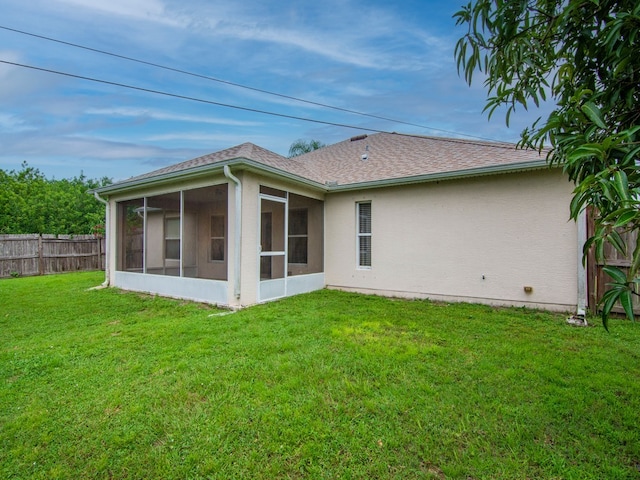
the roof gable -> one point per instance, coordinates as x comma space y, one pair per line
247, 151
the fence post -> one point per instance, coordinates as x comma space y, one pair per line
40, 255
99, 240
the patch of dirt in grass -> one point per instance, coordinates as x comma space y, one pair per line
112, 410
433, 470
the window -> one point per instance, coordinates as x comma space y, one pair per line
298, 235
364, 234
217, 238
172, 238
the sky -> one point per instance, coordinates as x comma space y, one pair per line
385, 59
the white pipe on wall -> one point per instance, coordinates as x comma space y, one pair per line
107, 218
582, 273
238, 229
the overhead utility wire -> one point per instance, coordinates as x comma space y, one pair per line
194, 99
227, 82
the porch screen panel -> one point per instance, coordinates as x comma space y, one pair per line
305, 253
163, 234
272, 240
205, 235
130, 243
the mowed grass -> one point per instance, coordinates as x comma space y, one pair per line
106, 384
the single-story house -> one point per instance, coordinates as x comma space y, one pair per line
388, 214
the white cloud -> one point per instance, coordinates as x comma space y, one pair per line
11, 123
18, 83
315, 42
200, 137
9, 56
82, 147
173, 117
149, 10
341, 31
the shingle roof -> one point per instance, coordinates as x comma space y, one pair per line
247, 151
385, 156
368, 158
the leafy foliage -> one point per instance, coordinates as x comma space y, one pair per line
301, 146
31, 203
583, 56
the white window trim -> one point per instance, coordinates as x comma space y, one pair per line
166, 219
360, 235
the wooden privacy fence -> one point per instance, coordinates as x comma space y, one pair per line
22, 255
596, 277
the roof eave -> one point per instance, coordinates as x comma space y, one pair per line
196, 172
252, 165
434, 177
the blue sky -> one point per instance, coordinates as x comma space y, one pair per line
390, 59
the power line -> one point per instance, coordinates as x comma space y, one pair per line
185, 97
227, 82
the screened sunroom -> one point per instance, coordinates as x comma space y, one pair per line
190, 243
178, 234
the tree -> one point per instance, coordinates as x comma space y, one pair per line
30, 203
301, 146
584, 56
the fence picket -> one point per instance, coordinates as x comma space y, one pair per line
32, 254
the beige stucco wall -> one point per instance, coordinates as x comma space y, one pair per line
249, 245
479, 240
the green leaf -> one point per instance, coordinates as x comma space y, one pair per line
635, 263
616, 274
577, 204
608, 301
627, 217
585, 151
607, 190
594, 114
599, 250
627, 303
621, 184
617, 242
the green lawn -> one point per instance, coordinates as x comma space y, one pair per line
105, 384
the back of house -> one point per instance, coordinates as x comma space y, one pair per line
388, 214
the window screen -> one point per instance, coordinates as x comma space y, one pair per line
364, 234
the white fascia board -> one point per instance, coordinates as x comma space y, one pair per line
260, 168
195, 172
435, 177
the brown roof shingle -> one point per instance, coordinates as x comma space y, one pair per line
385, 156
247, 151
368, 158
